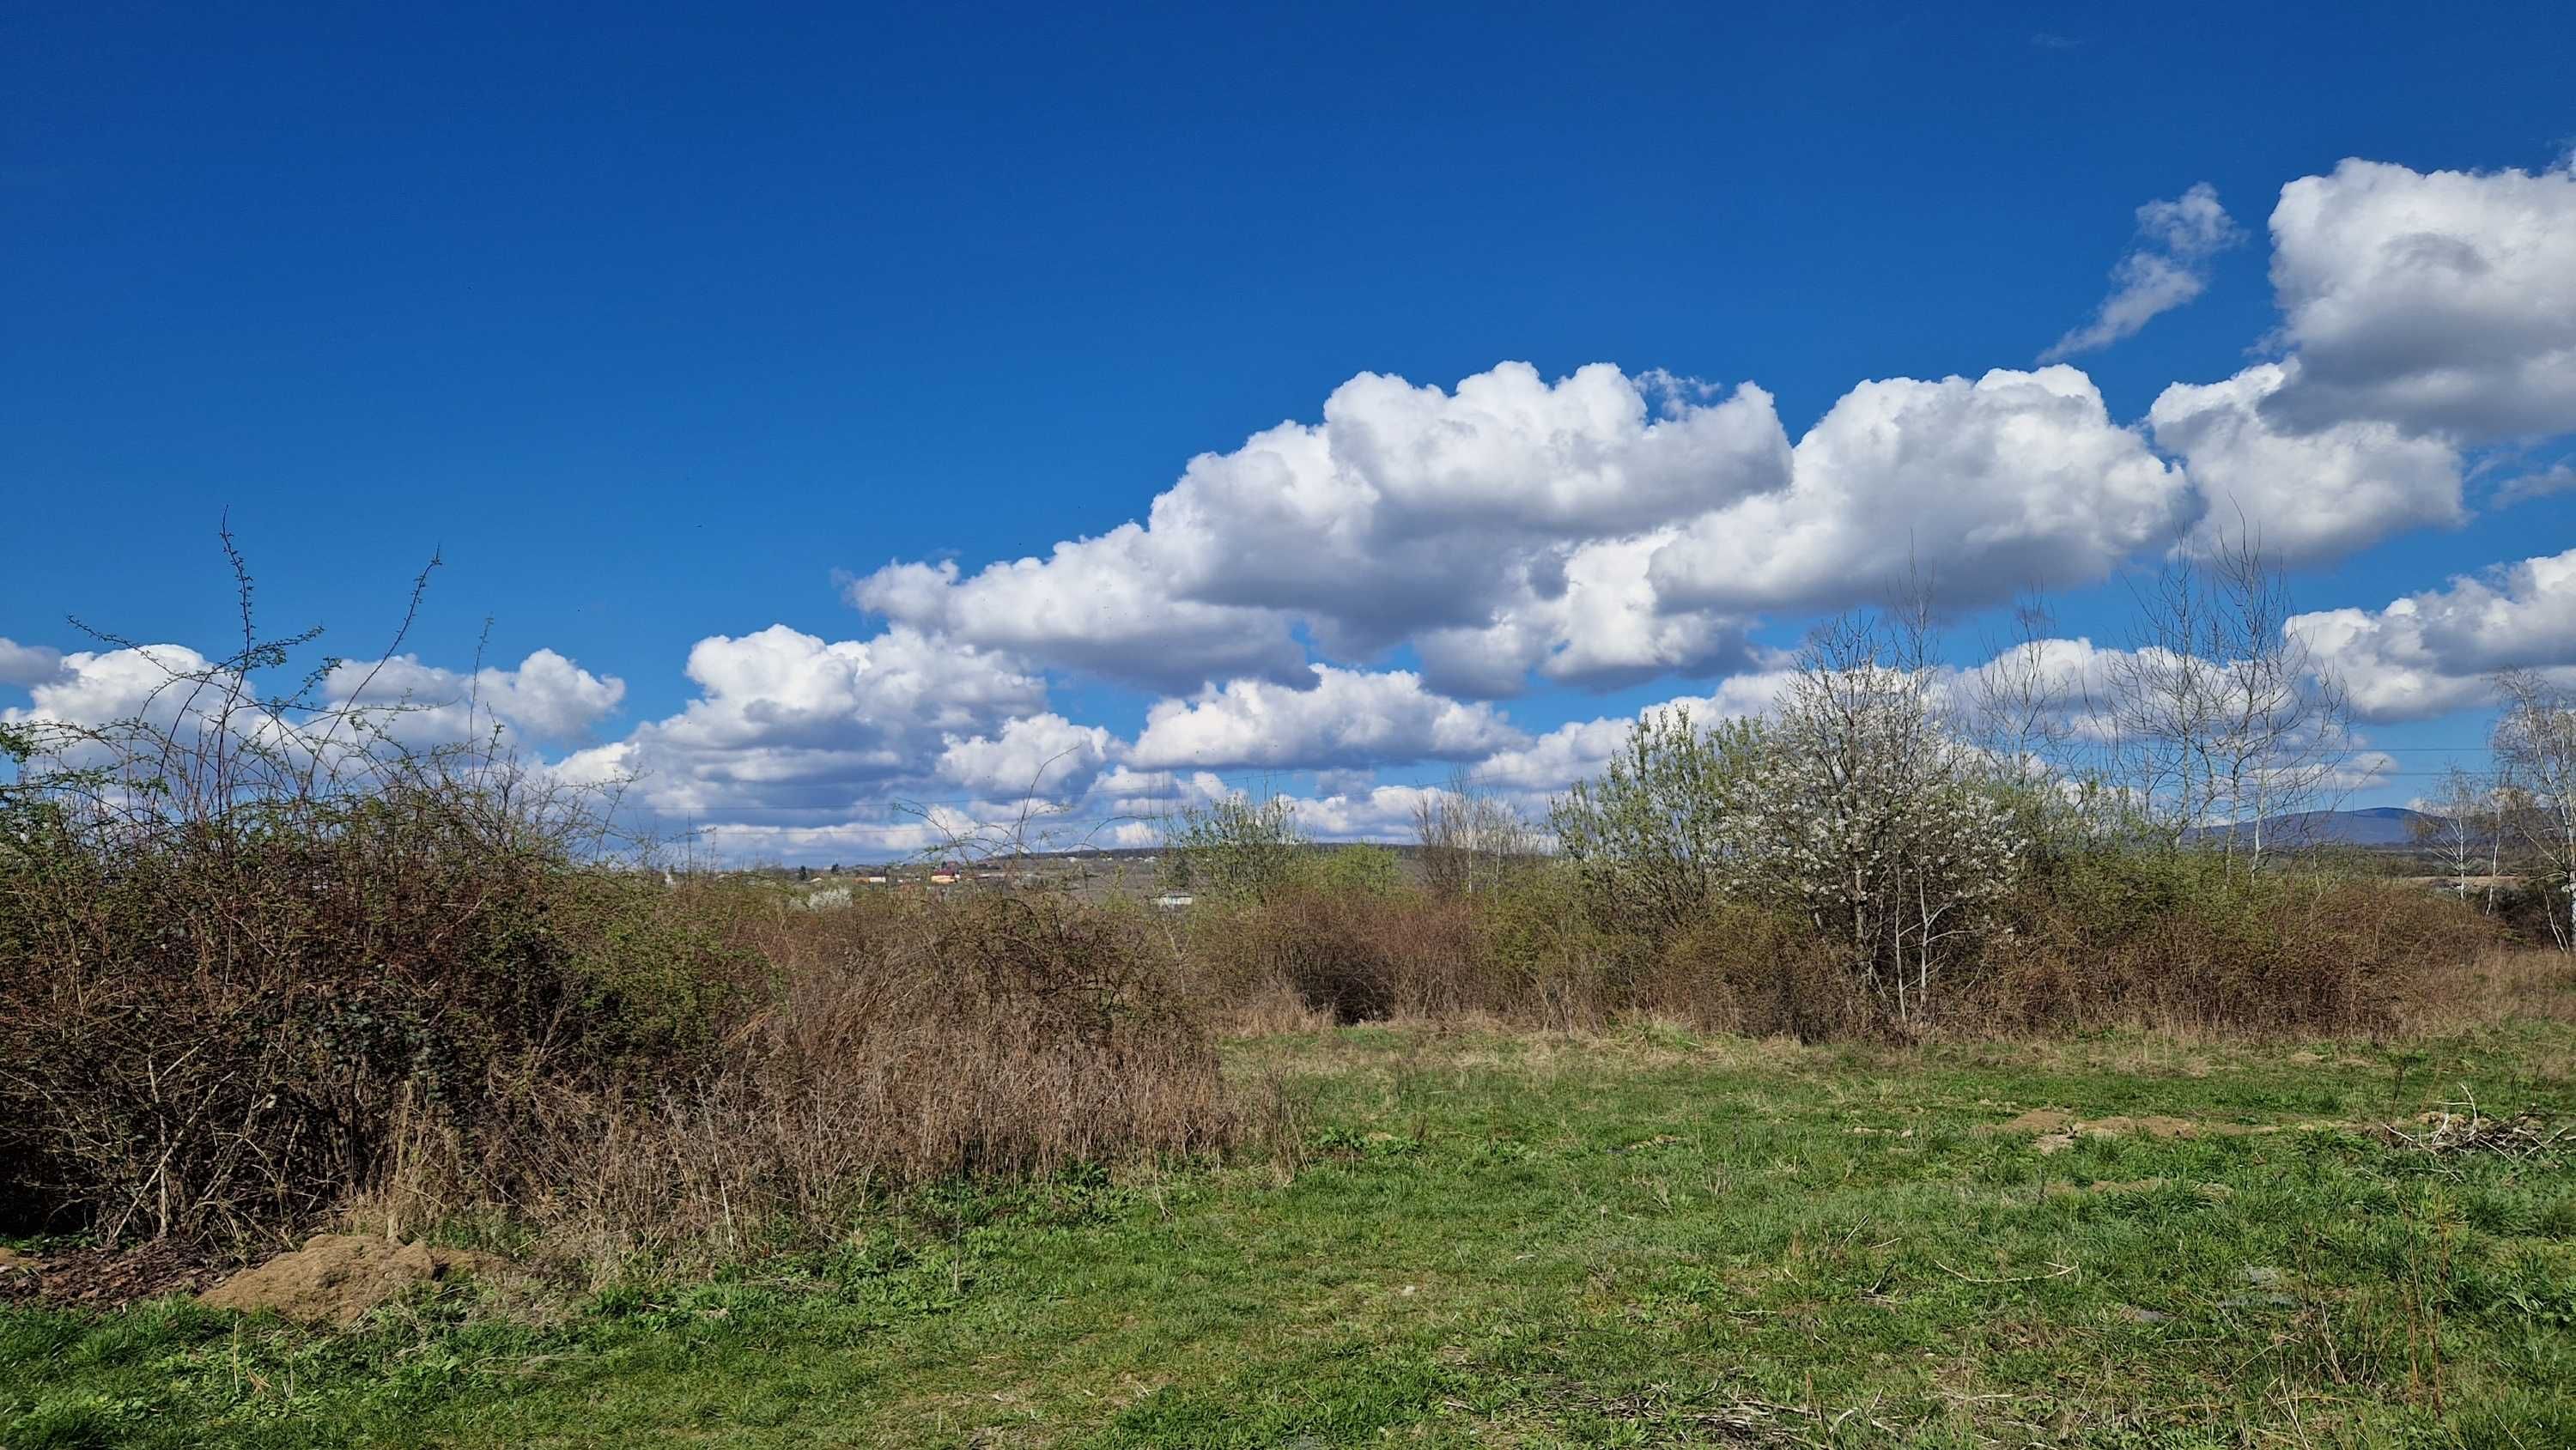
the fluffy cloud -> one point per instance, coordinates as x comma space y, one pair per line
547, 696
1599, 530
1349, 719
27, 664
1102, 605
2443, 302
1381, 813
2019, 479
2168, 267
2307, 496
1598, 622
158, 683
1408, 510
1607, 528
2430, 653
785, 721
175, 689
1032, 755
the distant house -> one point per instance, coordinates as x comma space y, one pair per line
943, 878
1174, 900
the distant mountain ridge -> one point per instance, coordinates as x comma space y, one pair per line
2377, 826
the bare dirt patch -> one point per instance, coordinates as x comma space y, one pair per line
2054, 1130
105, 1278
338, 1278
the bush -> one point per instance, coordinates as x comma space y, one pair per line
2153, 938
1521, 951
215, 1026
2174, 939
901, 1042
1756, 972
1233, 848
260, 960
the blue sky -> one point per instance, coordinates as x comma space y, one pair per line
665, 324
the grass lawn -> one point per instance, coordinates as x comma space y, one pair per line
1647, 1239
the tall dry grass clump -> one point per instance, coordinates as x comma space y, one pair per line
895, 1042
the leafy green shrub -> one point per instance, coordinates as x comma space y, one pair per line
1234, 848
1366, 870
1648, 839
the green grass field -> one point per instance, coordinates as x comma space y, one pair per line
1640, 1240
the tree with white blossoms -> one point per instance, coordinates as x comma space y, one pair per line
1867, 814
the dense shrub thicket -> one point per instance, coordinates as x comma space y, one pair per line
224, 1020
259, 963
2116, 939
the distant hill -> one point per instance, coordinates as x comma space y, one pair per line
2378, 826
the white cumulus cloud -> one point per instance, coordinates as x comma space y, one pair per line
2309, 495
787, 722
2018, 479
2430, 653
1349, 719
547, 696
1408, 510
2443, 301
1029, 756
161, 684
27, 664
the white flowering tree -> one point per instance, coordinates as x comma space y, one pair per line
1866, 813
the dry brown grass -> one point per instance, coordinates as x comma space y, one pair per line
2498, 985
898, 1043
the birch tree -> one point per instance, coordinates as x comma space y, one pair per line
2535, 741
2453, 829
2221, 719
1472, 841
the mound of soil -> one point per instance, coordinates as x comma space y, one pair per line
337, 1278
